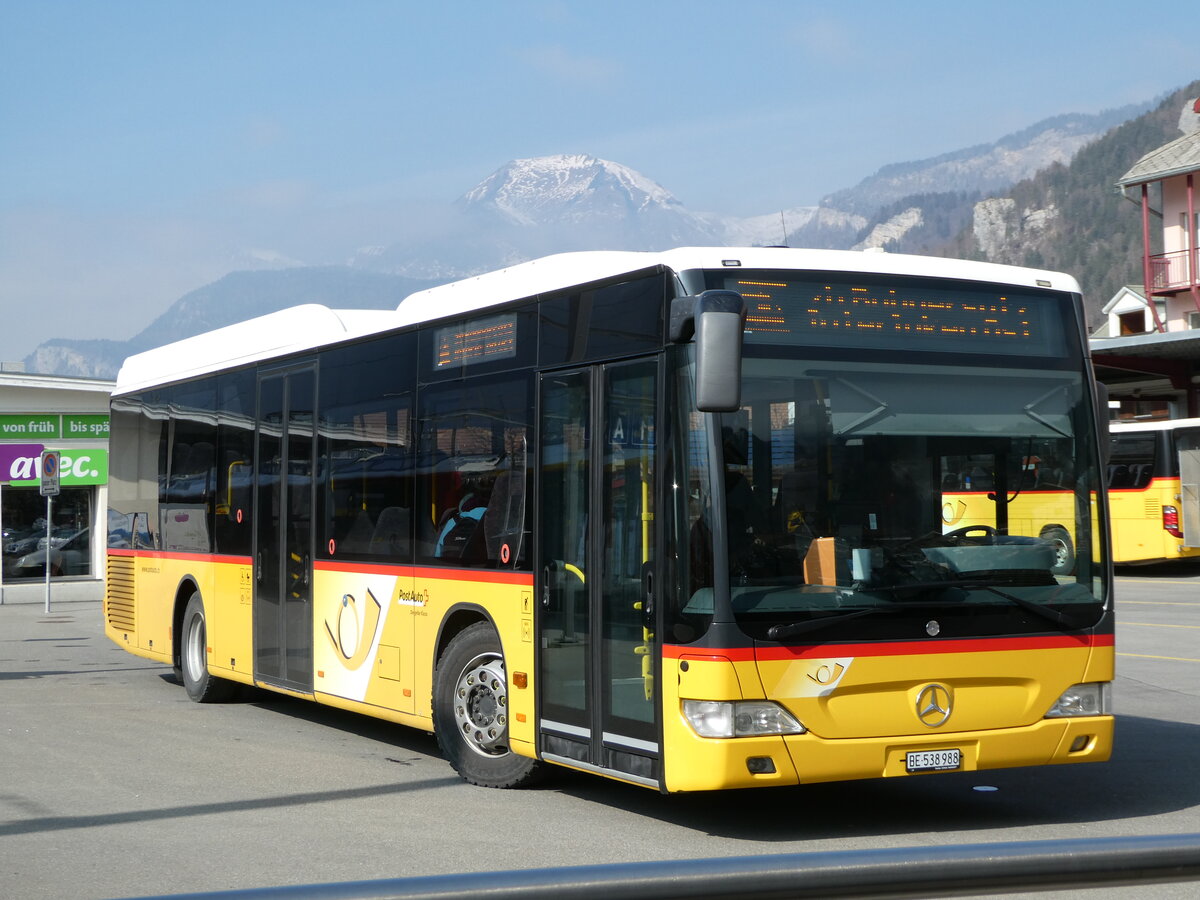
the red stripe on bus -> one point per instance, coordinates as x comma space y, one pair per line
1162, 483
482, 576
891, 648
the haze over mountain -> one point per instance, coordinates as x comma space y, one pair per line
531, 207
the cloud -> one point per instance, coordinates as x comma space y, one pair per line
559, 63
828, 40
280, 195
263, 133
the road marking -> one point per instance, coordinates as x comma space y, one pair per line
1157, 625
1120, 580
1159, 602
1172, 658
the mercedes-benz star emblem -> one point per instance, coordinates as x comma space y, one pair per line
934, 704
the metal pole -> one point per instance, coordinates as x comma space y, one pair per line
49, 500
1147, 275
1, 544
1193, 243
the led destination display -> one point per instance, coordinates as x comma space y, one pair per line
478, 341
917, 316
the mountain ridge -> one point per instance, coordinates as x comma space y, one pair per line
533, 207
233, 298
1069, 217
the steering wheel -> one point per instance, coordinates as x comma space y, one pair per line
963, 532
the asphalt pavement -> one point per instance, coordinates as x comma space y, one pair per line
113, 784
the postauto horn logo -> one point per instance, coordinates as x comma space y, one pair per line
354, 631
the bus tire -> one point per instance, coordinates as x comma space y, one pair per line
470, 711
1064, 550
201, 685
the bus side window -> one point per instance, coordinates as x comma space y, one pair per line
366, 448
472, 479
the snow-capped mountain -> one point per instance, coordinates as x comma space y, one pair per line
577, 188
550, 204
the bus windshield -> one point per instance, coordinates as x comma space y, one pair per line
842, 485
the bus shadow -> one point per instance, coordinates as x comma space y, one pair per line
1179, 568
399, 737
1153, 771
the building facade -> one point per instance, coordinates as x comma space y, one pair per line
44, 412
1148, 349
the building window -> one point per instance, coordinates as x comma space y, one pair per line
1133, 323
1183, 223
24, 520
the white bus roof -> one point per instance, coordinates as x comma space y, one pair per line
276, 334
1155, 425
310, 326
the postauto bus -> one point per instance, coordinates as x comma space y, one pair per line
671, 518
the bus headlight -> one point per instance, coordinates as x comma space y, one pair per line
741, 718
1094, 699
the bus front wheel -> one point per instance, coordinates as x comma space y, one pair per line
202, 686
470, 711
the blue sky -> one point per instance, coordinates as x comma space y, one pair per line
147, 148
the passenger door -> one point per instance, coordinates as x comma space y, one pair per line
1188, 445
283, 533
597, 658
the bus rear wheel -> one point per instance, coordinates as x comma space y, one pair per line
202, 686
470, 711
1064, 550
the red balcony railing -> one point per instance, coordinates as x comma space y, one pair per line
1171, 271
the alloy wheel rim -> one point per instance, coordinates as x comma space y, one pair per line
194, 648
481, 705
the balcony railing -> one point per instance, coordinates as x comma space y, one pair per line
1171, 271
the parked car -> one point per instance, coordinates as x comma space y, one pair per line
71, 556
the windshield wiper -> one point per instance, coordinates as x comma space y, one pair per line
1064, 622
783, 632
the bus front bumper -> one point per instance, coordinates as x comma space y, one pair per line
697, 764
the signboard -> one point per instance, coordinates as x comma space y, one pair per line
50, 469
21, 464
89, 427
30, 425
53, 426
20, 458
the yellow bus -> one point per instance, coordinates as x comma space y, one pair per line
1026, 489
1154, 490
672, 518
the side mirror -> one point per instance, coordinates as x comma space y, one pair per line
717, 319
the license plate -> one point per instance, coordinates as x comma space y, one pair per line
933, 760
